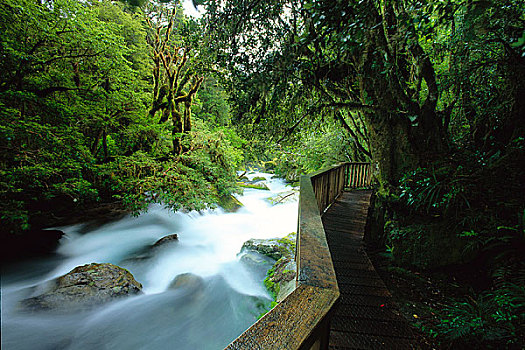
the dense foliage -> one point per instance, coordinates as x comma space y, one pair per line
77, 124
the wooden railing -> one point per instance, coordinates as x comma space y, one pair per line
358, 175
302, 320
329, 183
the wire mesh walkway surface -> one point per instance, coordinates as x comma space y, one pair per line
365, 317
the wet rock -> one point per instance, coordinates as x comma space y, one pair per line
256, 186
166, 239
84, 287
148, 252
275, 248
229, 203
253, 258
244, 178
192, 283
280, 280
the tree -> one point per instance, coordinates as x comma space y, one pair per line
175, 82
373, 61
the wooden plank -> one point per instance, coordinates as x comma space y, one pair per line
365, 317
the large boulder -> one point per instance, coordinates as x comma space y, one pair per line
275, 248
256, 179
280, 279
84, 287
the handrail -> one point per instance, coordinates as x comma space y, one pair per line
302, 320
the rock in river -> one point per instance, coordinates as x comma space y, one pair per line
275, 248
280, 279
189, 281
84, 287
229, 203
166, 239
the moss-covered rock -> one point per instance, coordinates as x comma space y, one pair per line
256, 186
275, 248
229, 203
254, 259
258, 179
280, 279
84, 287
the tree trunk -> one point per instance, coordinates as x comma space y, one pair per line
187, 124
105, 144
391, 147
178, 129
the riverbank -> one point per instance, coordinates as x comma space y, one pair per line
40, 241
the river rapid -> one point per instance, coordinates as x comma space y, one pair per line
232, 298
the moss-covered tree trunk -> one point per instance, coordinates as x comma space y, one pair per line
406, 130
172, 78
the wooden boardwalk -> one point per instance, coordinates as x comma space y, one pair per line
365, 317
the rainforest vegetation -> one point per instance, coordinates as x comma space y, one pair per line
134, 102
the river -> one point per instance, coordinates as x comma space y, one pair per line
232, 298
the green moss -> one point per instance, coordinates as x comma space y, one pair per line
271, 286
229, 203
288, 244
254, 186
272, 305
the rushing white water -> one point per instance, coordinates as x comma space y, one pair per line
209, 244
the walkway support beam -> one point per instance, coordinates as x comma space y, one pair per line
302, 320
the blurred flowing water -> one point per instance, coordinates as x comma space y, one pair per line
231, 299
